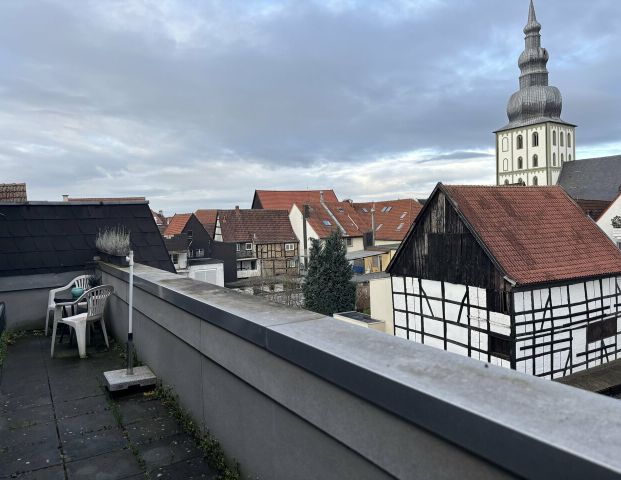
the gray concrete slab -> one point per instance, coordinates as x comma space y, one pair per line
57, 422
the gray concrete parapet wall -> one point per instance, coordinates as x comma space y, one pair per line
295, 395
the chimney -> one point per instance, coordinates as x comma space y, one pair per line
65, 198
321, 196
161, 213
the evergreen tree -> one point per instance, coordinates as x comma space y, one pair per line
328, 287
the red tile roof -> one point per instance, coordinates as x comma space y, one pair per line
392, 217
536, 234
177, 223
160, 219
13, 193
258, 226
321, 217
284, 199
208, 218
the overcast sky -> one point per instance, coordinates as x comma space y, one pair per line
195, 104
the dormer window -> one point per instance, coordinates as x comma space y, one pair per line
520, 142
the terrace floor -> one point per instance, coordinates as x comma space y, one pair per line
57, 421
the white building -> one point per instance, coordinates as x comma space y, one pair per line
533, 146
516, 276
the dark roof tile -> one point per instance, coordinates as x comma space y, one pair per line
592, 178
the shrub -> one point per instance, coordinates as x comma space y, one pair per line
113, 241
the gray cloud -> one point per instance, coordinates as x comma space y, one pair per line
197, 104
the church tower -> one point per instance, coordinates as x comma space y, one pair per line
533, 146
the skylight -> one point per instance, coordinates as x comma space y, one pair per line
403, 215
327, 223
365, 210
386, 209
400, 226
379, 226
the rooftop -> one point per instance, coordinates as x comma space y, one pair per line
284, 199
13, 193
592, 178
57, 421
258, 226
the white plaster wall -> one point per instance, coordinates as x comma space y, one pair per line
357, 244
454, 333
381, 302
605, 221
297, 224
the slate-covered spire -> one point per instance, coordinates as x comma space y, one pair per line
535, 101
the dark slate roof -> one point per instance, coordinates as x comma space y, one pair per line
41, 237
177, 243
592, 178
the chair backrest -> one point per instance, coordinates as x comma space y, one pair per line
83, 281
96, 300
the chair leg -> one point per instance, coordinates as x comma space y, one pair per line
80, 335
54, 325
105, 334
47, 320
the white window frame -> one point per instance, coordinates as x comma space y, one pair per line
289, 247
248, 246
239, 247
199, 252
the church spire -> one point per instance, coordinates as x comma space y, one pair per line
535, 101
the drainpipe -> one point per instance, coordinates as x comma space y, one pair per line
304, 217
373, 225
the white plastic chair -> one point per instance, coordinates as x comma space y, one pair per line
95, 299
80, 282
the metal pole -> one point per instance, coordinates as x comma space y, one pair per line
130, 334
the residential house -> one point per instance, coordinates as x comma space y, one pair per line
13, 193
208, 218
178, 248
160, 219
516, 276
317, 220
284, 199
593, 183
610, 220
264, 240
199, 240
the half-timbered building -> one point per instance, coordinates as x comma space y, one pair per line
516, 276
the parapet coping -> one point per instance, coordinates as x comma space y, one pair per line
531, 427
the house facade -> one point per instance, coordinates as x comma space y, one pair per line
265, 243
317, 220
515, 276
200, 243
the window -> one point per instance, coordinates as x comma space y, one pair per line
247, 265
562, 139
569, 158
403, 215
535, 161
349, 241
189, 234
386, 209
365, 210
248, 246
520, 163
289, 247
327, 223
505, 144
400, 226
554, 137
554, 159
238, 247
505, 164
199, 252
506, 182
190, 253
378, 227
292, 263
569, 139
520, 142
499, 345
520, 181
597, 331
535, 139
175, 258
535, 181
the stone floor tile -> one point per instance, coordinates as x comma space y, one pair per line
148, 430
50, 473
192, 469
166, 451
108, 466
34, 434
77, 447
71, 408
32, 458
89, 422
26, 417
